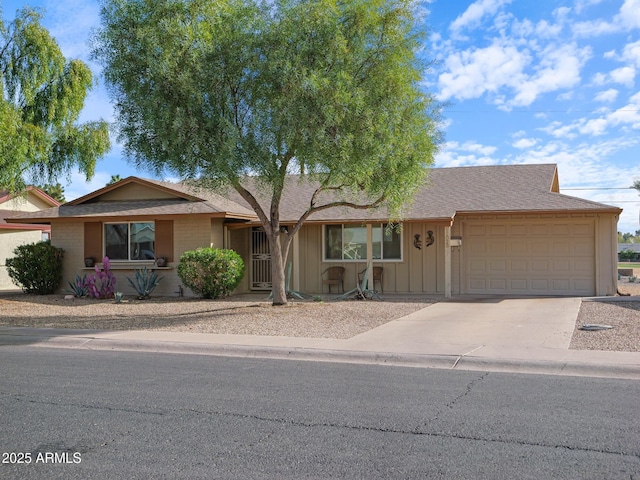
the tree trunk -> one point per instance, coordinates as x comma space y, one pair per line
278, 280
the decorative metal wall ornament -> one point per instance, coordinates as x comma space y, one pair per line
430, 239
418, 243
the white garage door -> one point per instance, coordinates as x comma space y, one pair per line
555, 257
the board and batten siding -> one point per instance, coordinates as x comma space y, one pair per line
419, 271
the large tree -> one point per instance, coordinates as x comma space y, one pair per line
55, 191
245, 92
41, 96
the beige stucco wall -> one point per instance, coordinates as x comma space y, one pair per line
189, 233
606, 254
25, 203
9, 240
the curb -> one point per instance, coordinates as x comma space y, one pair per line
446, 362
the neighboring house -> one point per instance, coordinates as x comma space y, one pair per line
497, 230
15, 234
634, 247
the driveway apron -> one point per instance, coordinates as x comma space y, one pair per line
462, 326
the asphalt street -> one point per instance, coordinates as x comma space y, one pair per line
100, 414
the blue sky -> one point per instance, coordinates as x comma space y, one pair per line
552, 81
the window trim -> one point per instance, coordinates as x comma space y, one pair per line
381, 225
129, 259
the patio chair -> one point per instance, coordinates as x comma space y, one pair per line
335, 276
377, 277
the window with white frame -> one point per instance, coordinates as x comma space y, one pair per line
130, 241
349, 242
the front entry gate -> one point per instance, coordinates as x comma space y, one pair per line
260, 260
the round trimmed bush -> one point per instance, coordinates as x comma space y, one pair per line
211, 272
36, 267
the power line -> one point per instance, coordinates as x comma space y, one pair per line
600, 188
540, 111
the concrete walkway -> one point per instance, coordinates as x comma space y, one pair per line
528, 335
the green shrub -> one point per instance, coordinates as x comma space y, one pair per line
211, 272
627, 254
36, 267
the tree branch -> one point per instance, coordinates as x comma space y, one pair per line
313, 209
251, 200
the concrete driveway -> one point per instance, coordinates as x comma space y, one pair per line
505, 327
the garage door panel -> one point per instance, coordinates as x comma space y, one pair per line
586, 229
583, 265
561, 266
583, 248
561, 285
539, 229
561, 248
499, 266
517, 229
584, 286
539, 247
539, 265
497, 230
478, 246
561, 229
554, 257
518, 265
539, 285
518, 246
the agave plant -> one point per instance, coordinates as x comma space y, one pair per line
79, 286
145, 282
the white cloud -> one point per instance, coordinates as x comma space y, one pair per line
631, 53
627, 19
524, 143
473, 72
629, 15
455, 154
476, 12
582, 4
559, 68
623, 75
70, 23
607, 96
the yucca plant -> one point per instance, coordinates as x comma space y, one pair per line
146, 282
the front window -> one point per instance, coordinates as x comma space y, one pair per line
348, 242
130, 241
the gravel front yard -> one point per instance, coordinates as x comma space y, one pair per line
244, 314
253, 315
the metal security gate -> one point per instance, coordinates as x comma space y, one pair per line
260, 260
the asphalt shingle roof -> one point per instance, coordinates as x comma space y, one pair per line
447, 192
503, 188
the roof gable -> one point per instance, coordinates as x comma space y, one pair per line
33, 199
134, 188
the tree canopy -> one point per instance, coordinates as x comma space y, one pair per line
219, 91
55, 191
41, 96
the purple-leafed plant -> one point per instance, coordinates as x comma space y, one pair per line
101, 284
